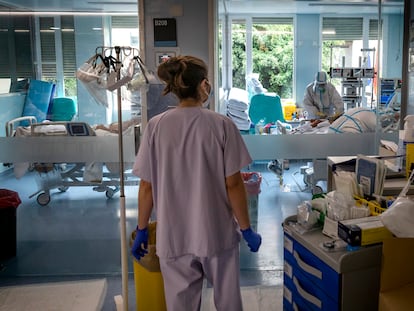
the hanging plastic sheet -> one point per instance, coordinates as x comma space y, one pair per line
93, 69
102, 72
140, 75
399, 217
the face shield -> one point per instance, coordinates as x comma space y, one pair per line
320, 82
321, 88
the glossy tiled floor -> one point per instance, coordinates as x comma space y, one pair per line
77, 234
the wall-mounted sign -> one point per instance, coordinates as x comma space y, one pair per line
162, 54
165, 32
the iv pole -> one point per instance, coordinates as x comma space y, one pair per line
121, 302
124, 258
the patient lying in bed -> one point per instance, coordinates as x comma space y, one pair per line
114, 128
355, 120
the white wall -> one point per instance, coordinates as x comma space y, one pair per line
192, 27
194, 37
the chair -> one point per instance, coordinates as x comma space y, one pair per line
266, 107
62, 109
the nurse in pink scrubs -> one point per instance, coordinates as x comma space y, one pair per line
189, 164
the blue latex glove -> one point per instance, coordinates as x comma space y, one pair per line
139, 248
253, 239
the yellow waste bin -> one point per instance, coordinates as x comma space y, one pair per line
289, 108
149, 288
149, 284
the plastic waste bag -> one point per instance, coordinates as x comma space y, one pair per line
399, 217
252, 181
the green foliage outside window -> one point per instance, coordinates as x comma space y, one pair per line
273, 57
239, 55
70, 87
272, 52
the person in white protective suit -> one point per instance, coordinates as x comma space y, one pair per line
321, 99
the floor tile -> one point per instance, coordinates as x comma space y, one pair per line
77, 233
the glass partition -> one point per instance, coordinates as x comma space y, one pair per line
65, 226
359, 45
52, 46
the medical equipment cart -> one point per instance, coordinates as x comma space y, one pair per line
317, 277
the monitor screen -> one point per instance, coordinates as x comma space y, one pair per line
78, 129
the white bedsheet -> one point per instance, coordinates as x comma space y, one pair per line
306, 128
93, 168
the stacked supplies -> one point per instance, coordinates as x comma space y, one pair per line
370, 174
238, 107
355, 181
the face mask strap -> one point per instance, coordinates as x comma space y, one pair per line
210, 95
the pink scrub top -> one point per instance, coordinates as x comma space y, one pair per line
186, 154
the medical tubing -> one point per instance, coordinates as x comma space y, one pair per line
404, 191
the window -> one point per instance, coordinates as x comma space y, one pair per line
345, 45
125, 31
57, 53
16, 52
262, 46
273, 54
343, 40
69, 55
338, 36
238, 57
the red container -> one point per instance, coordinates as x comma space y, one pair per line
252, 181
9, 201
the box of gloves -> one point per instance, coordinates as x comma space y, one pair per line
363, 231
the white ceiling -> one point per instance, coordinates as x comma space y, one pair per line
230, 6
72, 5
312, 6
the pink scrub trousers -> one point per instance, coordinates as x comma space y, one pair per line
183, 280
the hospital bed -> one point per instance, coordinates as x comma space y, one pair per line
67, 154
357, 121
316, 143
316, 147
